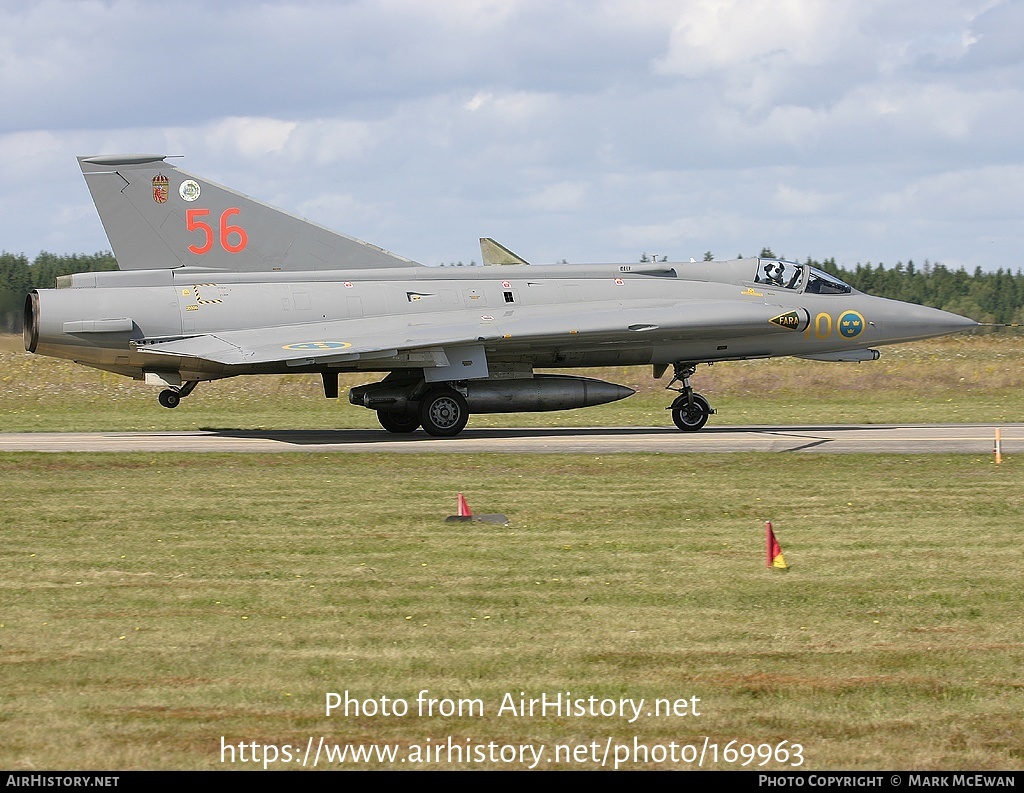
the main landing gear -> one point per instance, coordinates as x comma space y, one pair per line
442, 412
690, 411
171, 397
399, 423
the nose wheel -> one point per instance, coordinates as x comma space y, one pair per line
690, 411
690, 415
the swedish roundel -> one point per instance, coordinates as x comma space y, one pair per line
851, 324
317, 345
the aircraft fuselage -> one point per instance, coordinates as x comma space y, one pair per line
80, 321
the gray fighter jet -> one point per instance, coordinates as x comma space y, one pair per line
214, 284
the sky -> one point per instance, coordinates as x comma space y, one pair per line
865, 130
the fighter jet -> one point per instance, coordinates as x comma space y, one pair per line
215, 284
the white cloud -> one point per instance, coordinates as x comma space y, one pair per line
480, 98
249, 137
993, 192
796, 201
559, 197
589, 130
712, 35
338, 211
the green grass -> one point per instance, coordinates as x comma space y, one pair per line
958, 379
153, 603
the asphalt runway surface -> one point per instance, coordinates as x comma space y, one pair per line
818, 439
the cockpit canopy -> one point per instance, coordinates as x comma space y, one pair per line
798, 277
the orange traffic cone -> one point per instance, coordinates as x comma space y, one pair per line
466, 515
775, 557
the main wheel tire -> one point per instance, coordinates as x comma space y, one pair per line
690, 418
444, 413
169, 398
398, 422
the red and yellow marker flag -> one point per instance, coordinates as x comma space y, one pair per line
464, 511
775, 557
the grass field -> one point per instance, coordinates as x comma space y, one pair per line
153, 604
957, 379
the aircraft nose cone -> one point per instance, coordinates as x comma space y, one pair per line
910, 322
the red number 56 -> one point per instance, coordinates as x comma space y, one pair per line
226, 230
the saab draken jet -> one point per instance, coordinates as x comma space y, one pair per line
214, 284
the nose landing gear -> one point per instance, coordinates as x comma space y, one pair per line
690, 411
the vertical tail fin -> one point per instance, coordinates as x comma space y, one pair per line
157, 216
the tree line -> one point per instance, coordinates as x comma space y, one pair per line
983, 296
18, 276
992, 297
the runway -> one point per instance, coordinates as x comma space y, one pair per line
891, 439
